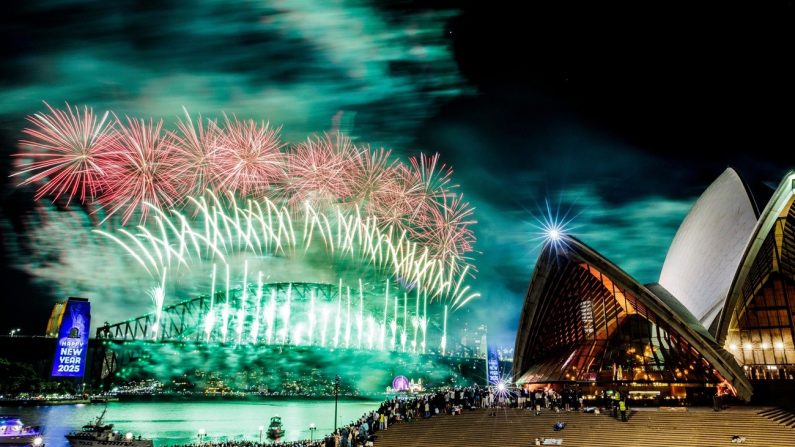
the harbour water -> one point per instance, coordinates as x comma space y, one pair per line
171, 423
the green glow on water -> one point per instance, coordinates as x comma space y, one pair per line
170, 423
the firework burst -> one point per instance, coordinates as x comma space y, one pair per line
429, 179
423, 183
132, 168
320, 171
447, 231
374, 180
140, 170
67, 152
249, 157
195, 152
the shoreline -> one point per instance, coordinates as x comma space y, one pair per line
181, 398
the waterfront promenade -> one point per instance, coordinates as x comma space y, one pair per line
646, 427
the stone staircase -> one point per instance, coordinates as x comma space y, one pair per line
780, 415
514, 427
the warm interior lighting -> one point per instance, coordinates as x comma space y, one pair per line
747, 346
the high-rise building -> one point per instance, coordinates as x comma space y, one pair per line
54, 322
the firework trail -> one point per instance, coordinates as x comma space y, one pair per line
223, 229
405, 220
158, 295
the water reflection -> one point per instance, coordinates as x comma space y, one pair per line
170, 423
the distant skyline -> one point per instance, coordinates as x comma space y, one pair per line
616, 116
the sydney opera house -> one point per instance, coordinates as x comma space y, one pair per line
718, 321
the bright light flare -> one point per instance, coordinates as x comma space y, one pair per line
552, 226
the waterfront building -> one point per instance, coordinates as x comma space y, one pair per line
719, 320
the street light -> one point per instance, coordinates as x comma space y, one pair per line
312, 428
336, 395
261, 427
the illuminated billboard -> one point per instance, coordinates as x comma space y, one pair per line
72, 347
492, 366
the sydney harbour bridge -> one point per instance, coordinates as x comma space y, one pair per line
309, 327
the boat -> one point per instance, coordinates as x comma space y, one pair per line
275, 429
98, 433
14, 432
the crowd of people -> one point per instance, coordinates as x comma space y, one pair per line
231, 443
405, 409
363, 431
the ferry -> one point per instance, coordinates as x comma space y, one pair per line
14, 432
98, 434
275, 429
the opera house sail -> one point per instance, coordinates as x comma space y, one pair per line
586, 321
720, 318
757, 323
706, 251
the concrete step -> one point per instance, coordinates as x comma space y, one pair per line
513, 427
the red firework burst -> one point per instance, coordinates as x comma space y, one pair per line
140, 169
374, 179
447, 228
429, 179
249, 157
195, 152
321, 170
66, 152
393, 205
416, 192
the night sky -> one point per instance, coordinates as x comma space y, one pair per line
618, 117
